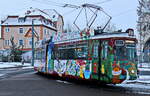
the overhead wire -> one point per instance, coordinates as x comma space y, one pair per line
105, 1
69, 12
50, 3
123, 12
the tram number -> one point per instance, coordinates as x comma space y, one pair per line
119, 43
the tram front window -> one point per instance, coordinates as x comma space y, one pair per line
131, 51
126, 52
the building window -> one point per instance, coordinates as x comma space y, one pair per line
48, 32
6, 42
20, 30
30, 42
45, 31
7, 29
21, 20
20, 42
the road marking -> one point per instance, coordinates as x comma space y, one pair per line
60, 81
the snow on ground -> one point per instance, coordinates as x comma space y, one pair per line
144, 65
12, 64
27, 67
144, 77
144, 69
140, 80
2, 74
134, 86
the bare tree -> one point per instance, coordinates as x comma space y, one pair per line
15, 54
110, 28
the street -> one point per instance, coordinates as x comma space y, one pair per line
29, 83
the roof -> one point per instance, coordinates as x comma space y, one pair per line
100, 36
47, 13
50, 15
14, 21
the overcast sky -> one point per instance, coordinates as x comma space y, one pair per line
123, 12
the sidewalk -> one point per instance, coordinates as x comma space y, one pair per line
6, 65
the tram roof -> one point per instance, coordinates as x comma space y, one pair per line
99, 36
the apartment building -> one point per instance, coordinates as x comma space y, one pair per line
47, 23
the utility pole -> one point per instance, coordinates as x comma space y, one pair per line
32, 42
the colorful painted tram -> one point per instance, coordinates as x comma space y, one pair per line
107, 57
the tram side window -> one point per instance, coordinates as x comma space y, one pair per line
104, 50
55, 53
65, 53
38, 54
62, 53
95, 53
70, 53
43, 54
81, 52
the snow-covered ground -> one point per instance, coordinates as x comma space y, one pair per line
13, 64
144, 69
144, 65
144, 78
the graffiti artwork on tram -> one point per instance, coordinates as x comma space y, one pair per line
72, 68
60, 66
80, 68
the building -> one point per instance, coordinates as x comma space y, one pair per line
47, 23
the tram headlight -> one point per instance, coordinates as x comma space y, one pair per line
116, 71
132, 71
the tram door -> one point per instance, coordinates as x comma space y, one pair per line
49, 64
105, 66
46, 59
96, 59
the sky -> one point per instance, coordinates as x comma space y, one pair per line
123, 12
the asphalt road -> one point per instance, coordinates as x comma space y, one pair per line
28, 83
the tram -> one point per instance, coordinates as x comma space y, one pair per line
106, 57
